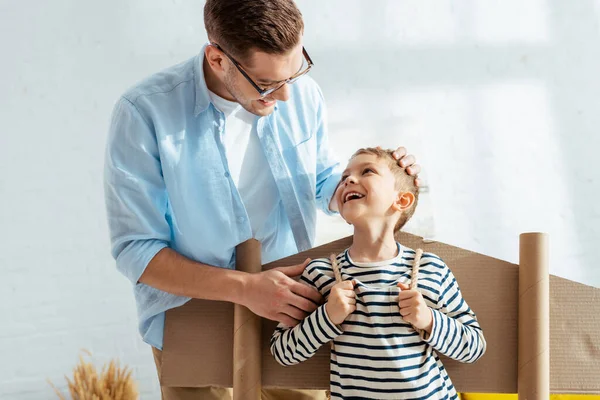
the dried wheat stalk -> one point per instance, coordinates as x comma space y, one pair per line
113, 383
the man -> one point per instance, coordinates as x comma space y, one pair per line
227, 146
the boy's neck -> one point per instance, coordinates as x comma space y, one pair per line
372, 245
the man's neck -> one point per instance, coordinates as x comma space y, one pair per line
213, 83
372, 244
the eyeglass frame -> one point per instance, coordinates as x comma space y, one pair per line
265, 92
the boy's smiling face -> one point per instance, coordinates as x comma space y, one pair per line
368, 191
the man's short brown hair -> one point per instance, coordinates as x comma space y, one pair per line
240, 26
404, 182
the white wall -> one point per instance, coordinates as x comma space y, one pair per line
498, 100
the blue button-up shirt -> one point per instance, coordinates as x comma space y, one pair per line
167, 182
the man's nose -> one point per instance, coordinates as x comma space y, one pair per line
282, 94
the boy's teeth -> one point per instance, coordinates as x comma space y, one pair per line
352, 196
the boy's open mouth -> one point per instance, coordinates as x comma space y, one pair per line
353, 196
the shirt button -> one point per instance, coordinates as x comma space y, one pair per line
241, 219
226, 174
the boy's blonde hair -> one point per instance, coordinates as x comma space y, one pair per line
404, 182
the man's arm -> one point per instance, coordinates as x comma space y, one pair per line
329, 169
136, 201
174, 273
271, 294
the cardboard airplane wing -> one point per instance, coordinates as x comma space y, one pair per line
198, 342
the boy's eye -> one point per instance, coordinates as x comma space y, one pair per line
367, 170
344, 177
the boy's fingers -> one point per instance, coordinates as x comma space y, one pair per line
347, 285
407, 294
403, 286
405, 303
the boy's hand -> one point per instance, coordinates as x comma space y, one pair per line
341, 302
413, 308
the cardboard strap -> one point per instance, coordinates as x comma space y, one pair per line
337, 274
415, 269
414, 280
247, 331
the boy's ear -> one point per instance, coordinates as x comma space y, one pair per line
403, 201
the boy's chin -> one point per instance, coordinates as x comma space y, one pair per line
351, 218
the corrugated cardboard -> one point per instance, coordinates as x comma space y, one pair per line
198, 344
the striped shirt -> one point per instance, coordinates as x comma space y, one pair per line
376, 354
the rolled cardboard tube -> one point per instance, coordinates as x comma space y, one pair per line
247, 331
534, 318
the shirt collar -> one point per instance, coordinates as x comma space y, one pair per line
202, 95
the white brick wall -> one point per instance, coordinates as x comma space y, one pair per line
497, 99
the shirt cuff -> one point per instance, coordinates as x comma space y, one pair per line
432, 338
328, 328
329, 187
135, 257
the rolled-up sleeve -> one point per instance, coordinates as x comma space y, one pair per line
328, 167
134, 189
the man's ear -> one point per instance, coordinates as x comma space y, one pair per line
215, 59
403, 201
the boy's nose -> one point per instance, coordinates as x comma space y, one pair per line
350, 179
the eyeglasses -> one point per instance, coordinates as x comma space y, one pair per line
278, 85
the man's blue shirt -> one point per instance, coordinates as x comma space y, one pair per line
167, 183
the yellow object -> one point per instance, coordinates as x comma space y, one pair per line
494, 396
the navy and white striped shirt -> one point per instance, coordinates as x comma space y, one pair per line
376, 354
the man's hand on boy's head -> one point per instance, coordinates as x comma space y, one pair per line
413, 308
408, 161
341, 301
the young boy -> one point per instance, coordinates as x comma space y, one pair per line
386, 337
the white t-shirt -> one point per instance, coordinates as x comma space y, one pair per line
248, 166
